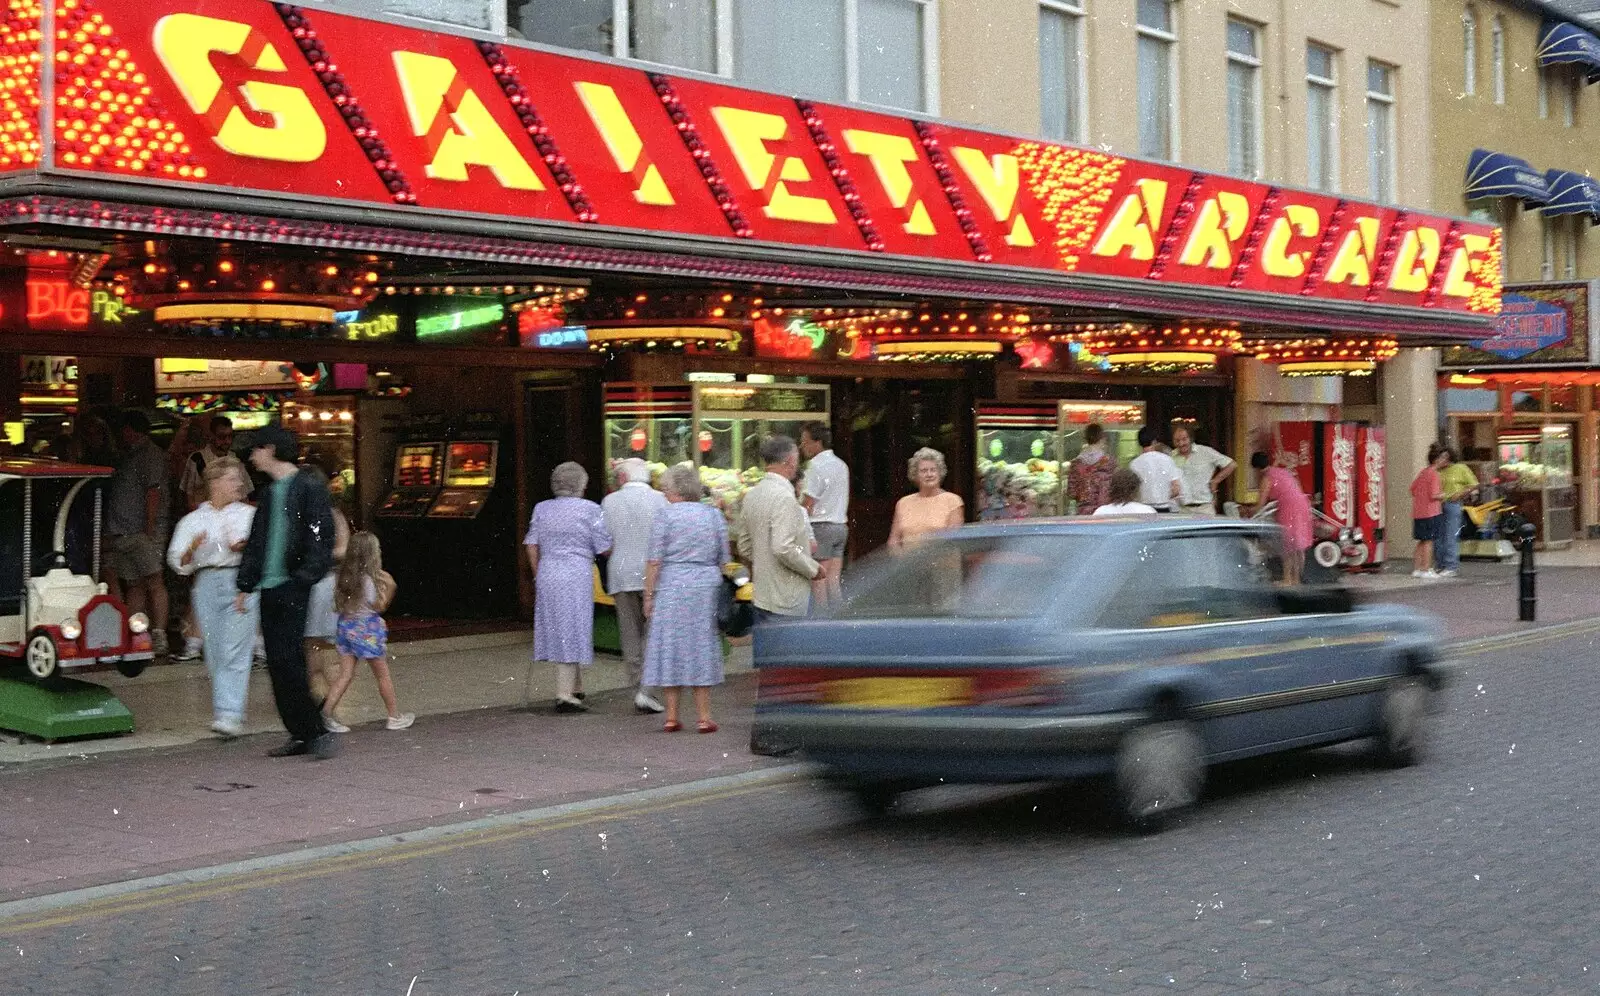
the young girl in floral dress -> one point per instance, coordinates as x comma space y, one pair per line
362, 591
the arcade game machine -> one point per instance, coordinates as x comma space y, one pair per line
326, 425
1019, 461
1121, 421
731, 420
655, 424
473, 526
409, 553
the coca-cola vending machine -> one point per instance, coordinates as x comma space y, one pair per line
1340, 466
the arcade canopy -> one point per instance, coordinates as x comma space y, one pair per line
246, 120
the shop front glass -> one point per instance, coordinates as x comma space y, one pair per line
654, 424
1019, 462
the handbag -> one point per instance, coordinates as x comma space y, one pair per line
735, 617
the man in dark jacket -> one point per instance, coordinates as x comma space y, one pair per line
290, 549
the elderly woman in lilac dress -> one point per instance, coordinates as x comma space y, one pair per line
688, 546
566, 534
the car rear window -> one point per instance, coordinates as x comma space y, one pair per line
987, 577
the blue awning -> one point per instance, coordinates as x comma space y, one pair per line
1572, 193
1561, 43
1495, 174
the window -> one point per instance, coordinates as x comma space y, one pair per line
1569, 108
985, 577
679, 33
1158, 45
1469, 53
873, 51
1547, 262
1497, 59
1061, 78
1194, 580
1380, 132
1322, 120
1544, 93
1244, 99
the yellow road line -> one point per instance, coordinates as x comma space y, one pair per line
1493, 643
173, 895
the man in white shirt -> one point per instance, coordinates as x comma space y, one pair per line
1125, 486
1203, 469
629, 513
827, 502
192, 483
1160, 480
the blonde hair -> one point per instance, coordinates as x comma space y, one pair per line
228, 464
363, 559
926, 455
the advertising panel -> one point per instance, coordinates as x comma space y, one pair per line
1537, 324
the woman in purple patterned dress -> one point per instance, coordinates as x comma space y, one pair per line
688, 546
566, 534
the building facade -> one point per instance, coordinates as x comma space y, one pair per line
1517, 142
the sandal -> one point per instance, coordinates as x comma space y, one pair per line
672, 726
705, 726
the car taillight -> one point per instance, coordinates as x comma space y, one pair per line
1018, 687
792, 685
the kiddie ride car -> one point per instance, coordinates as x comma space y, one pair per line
54, 615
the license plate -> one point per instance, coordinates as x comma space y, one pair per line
898, 693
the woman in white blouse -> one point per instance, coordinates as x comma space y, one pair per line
207, 543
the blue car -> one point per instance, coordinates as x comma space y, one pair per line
1140, 648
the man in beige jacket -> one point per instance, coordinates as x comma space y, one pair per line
773, 537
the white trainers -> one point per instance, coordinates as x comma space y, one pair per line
1449, 572
227, 729
333, 725
401, 721
644, 703
1427, 575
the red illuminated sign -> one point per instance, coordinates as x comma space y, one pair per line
55, 304
308, 103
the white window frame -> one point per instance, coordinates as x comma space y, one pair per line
1569, 102
1331, 84
1390, 165
1569, 244
1544, 93
721, 26
1254, 62
1170, 39
1547, 261
1469, 52
1074, 9
1497, 58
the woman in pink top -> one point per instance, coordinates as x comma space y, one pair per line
1427, 512
1293, 514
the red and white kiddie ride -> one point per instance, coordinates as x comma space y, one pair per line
52, 618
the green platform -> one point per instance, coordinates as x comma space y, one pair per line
61, 708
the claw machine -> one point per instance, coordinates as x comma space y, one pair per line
326, 425
1018, 461
1536, 470
731, 420
653, 423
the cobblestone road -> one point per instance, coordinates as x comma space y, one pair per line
1473, 873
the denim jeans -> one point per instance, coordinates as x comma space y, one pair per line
1447, 547
229, 637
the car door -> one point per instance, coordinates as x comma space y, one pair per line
1201, 609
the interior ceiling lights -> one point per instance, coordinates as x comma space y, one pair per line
1173, 349
1324, 357
660, 337
935, 349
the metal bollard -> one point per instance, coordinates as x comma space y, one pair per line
1526, 576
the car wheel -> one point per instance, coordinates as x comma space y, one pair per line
1402, 719
1327, 554
1160, 770
131, 669
40, 656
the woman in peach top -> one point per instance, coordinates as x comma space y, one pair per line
932, 508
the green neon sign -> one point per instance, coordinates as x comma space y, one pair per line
470, 318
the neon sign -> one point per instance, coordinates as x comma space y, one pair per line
53, 302
467, 319
566, 336
376, 327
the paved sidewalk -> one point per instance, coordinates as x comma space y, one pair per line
1483, 601
74, 823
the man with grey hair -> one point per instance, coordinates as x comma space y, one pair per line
628, 513
773, 538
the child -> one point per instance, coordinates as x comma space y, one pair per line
363, 589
